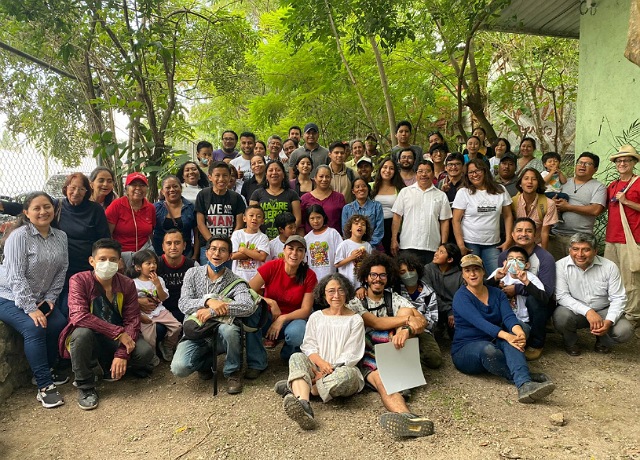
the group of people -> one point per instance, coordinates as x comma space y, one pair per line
434, 243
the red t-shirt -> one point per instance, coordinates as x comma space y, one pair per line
119, 214
283, 288
615, 232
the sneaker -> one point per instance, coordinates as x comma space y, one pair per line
282, 388
155, 361
404, 425
299, 410
58, 379
166, 352
532, 353
87, 399
75, 382
252, 374
50, 397
234, 384
531, 392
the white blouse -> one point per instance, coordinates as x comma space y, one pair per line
337, 339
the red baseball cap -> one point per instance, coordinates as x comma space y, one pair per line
136, 176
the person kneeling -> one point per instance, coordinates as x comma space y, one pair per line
104, 325
332, 346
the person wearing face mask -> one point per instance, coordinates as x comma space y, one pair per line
516, 270
104, 323
542, 265
200, 295
413, 288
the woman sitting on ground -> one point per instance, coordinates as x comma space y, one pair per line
332, 347
488, 336
288, 290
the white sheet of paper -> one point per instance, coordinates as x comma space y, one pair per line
399, 369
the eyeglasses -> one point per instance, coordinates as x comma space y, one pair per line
76, 189
520, 259
584, 163
623, 160
219, 250
138, 185
228, 139
375, 276
475, 172
333, 292
454, 165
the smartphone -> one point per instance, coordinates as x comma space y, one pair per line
44, 308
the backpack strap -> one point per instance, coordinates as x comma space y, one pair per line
231, 285
388, 301
542, 206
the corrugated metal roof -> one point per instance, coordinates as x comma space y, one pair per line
558, 18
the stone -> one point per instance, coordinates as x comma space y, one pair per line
557, 419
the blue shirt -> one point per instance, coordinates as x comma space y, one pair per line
372, 210
34, 267
476, 321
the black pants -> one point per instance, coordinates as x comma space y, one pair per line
89, 348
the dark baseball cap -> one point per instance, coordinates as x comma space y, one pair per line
309, 126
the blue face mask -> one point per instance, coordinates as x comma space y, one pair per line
216, 269
513, 265
204, 161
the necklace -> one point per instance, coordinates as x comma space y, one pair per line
576, 188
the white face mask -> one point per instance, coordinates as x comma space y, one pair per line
105, 269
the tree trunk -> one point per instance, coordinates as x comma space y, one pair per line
391, 116
352, 78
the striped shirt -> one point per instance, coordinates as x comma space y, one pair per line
197, 284
34, 267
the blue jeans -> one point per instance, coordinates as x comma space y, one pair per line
497, 357
488, 253
40, 344
292, 333
197, 355
62, 304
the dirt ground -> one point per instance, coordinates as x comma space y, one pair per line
475, 417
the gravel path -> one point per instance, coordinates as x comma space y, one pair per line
596, 402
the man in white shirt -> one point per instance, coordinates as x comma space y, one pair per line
590, 294
242, 162
423, 212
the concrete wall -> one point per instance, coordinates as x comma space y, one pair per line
14, 369
608, 84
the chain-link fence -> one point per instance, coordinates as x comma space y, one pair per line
24, 169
